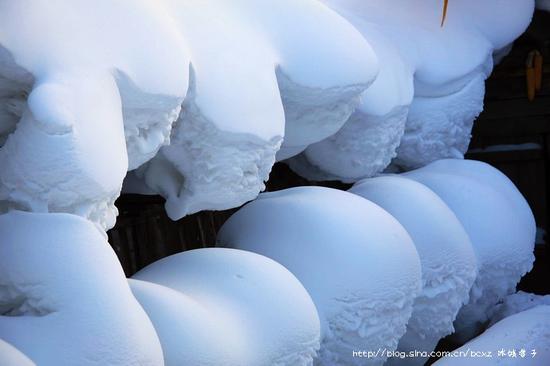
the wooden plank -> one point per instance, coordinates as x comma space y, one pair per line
518, 108
516, 156
513, 87
512, 126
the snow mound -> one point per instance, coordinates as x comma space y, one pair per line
62, 126
486, 203
449, 99
449, 265
91, 319
357, 262
206, 168
189, 332
448, 64
516, 303
524, 332
318, 98
9, 356
364, 147
263, 311
440, 127
225, 141
367, 143
488, 175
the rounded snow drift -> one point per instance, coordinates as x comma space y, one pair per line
368, 141
449, 265
190, 333
357, 262
64, 290
10, 356
516, 303
487, 207
525, 335
441, 127
362, 148
260, 305
488, 175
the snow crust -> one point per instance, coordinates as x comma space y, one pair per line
528, 330
449, 264
516, 303
257, 309
364, 147
10, 356
367, 142
64, 138
444, 67
64, 299
494, 178
190, 333
218, 151
356, 261
440, 127
225, 142
206, 168
140, 78
500, 226
448, 99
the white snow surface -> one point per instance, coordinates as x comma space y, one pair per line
356, 261
440, 127
258, 311
449, 264
64, 299
516, 303
367, 143
10, 356
528, 330
448, 64
75, 106
364, 147
448, 99
500, 226
232, 125
189, 332
490, 176
69, 89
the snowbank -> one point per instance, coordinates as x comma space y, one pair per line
448, 99
488, 175
190, 333
66, 151
260, 312
232, 125
500, 226
358, 264
448, 64
324, 66
9, 356
516, 303
367, 143
511, 341
440, 127
449, 265
64, 299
